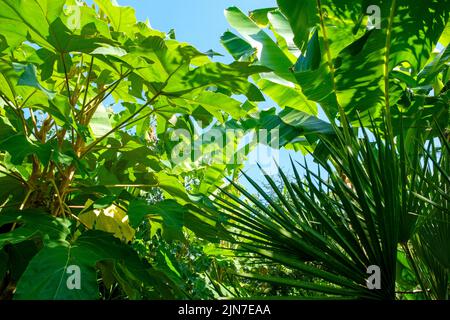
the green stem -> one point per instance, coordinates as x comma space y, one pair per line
415, 268
342, 115
88, 80
24, 202
119, 126
386, 66
11, 175
149, 102
140, 118
18, 113
111, 89
66, 77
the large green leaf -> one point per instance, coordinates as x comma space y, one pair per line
337, 59
19, 255
283, 33
292, 125
269, 54
167, 214
32, 224
19, 146
233, 77
10, 87
431, 70
47, 275
11, 189
236, 46
217, 104
350, 53
43, 22
20, 18
122, 19
287, 96
100, 123
302, 15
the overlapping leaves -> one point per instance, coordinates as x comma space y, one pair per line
339, 62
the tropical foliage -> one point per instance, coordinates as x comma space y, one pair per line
91, 178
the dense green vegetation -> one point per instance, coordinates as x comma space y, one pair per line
102, 198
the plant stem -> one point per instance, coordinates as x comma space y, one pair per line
111, 89
386, 68
415, 268
343, 118
88, 80
24, 202
66, 76
12, 175
61, 205
93, 144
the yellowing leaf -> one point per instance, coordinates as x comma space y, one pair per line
111, 219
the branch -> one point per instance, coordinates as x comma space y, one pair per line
140, 118
410, 258
343, 117
160, 91
11, 175
119, 126
111, 89
88, 80
18, 114
66, 76
386, 68
33, 120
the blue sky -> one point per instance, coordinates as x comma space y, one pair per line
199, 22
